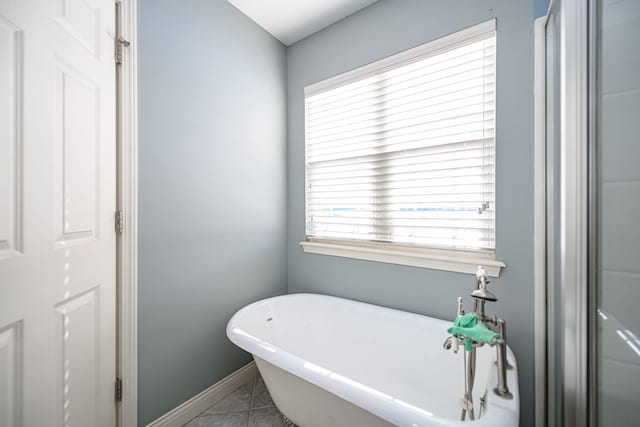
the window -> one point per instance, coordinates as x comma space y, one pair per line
400, 154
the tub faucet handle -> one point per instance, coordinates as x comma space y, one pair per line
481, 274
451, 343
481, 293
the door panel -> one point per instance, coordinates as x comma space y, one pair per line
10, 155
81, 19
57, 204
10, 380
77, 147
77, 354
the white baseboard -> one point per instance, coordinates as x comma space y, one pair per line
199, 403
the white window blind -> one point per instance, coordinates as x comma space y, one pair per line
403, 150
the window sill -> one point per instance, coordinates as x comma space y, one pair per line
457, 261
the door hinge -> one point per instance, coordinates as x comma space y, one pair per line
120, 44
119, 222
118, 389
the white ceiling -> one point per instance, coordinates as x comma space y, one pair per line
293, 20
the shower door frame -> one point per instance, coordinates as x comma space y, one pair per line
592, 209
576, 220
576, 216
541, 350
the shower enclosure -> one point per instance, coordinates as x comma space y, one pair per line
588, 176
616, 210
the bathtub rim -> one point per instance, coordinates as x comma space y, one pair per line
500, 412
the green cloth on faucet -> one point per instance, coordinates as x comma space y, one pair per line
468, 328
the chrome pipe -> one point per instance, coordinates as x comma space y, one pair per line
469, 379
502, 330
502, 389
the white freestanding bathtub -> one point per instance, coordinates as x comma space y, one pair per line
330, 362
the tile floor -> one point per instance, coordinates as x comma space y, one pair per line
248, 406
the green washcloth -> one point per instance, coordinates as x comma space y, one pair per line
467, 327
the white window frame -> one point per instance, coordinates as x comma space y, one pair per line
461, 261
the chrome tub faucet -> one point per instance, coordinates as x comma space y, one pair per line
482, 295
471, 341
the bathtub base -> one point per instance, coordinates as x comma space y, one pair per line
308, 405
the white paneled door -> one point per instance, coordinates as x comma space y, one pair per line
57, 203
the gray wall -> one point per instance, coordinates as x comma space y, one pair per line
377, 31
212, 190
540, 7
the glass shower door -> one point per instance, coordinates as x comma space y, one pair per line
617, 214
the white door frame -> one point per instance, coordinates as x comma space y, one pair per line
127, 366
